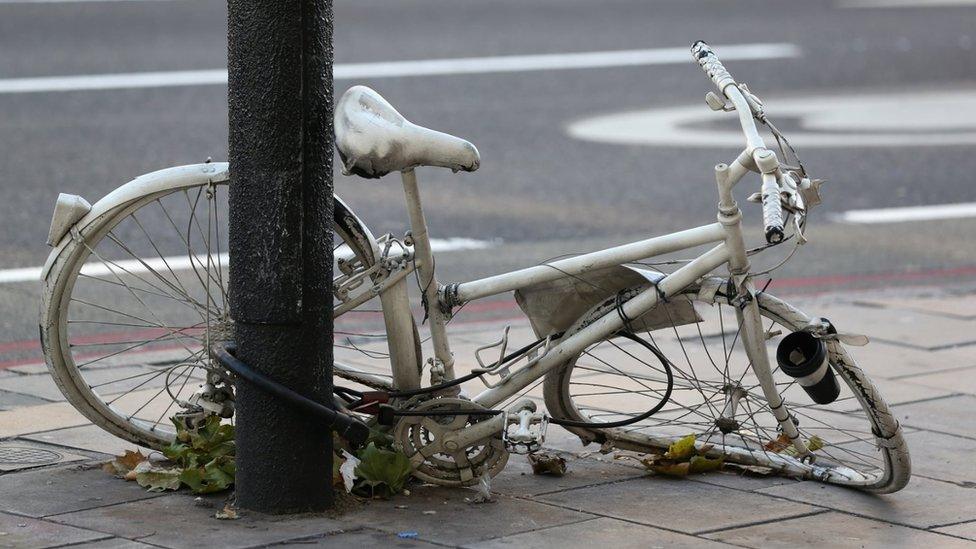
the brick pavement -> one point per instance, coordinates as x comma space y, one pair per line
922, 356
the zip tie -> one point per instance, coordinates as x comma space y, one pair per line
619, 306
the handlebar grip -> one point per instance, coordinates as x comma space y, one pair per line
772, 210
711, 64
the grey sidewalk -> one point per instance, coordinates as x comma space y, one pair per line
922, 356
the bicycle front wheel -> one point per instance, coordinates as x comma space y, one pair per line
716, 397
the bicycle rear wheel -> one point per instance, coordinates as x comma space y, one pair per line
858, 442
135, 301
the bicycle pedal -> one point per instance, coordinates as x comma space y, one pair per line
530, 433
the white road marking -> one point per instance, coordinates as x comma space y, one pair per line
858, 120
182, 263
71, 1
903, 3
428, 67
911, 213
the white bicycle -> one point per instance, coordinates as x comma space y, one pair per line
623, 350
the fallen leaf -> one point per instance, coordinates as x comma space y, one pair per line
751, 470
382, 472
122, 465
672, 469
702, 464
682, 449
130, 459
227, 513
781, 443
547, 464
156, 478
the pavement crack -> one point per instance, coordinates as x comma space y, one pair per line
765, 521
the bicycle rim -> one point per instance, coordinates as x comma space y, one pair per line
858, 441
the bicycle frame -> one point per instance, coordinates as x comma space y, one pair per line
729, 249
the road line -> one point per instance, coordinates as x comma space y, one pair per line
912, 213
392, 69
72, 1
32, 274
903, 3
893, 119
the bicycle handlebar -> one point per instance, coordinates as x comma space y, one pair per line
772, 208
713, 67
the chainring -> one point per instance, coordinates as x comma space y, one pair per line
464, 467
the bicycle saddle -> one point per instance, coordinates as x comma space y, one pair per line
374, 139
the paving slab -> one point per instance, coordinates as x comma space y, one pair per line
953, 415
957, 381
34, 419
87, 437
835, 530
944, 457
357, 538
964, 530
923, 503
176, 521
457, 522
731, 478
907, 328
112, 543
958, 306
517, 478
10, 400
45, 492
41, 386
105, 381
885, 360
600, 532
686, 506
23, 532
30, 369
897, 391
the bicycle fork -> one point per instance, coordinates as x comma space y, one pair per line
754, 340
749, 318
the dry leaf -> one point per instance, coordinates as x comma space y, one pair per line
781, 443
124, 465
672, 469
751, 470
227, 513
547, 464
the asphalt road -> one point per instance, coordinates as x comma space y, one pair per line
540, 192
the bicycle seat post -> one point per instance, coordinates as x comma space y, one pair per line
443, 361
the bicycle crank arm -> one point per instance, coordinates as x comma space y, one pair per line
494, 427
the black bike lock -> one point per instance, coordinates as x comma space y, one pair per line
804, 357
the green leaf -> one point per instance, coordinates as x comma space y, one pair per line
159, 479
193, 478
176, 451
682, 449
204, 457
383, 472
702, 464
380, 439
218, 476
